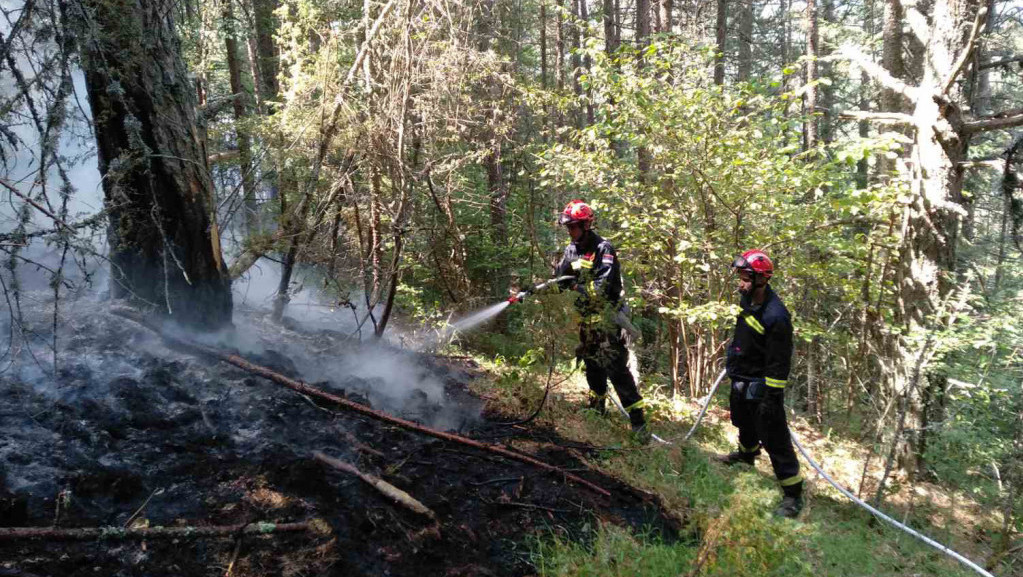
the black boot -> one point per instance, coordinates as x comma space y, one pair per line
791, 503
598, 403
737, 457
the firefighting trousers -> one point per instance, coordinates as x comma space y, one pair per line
762, 424
605, 356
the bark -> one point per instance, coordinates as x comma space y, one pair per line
892, 61
266, 51
498, 189
665, 10
559, 44
642, 22
240, 105
584, 15
745, 40
543, 44
611, 38
826, 91
810, 134
164, 246
720, 35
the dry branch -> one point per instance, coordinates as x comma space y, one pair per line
120, 533
351, 405
386, 489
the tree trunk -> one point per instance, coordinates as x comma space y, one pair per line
720, 35
928, 256
666, 7
543, 44
745, 41
266, 51
584, 15
241, 114
164, 246
559, 44
892, 61
611, 40
810, 96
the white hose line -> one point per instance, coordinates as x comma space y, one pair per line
980, 570
706, 403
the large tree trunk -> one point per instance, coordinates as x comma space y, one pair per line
928, 258
164, 246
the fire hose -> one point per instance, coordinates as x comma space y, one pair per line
873, 511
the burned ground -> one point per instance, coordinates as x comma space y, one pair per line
130, 432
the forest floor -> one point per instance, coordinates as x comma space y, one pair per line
132, 433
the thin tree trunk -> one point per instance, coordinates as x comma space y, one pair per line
745, 41
266, 28
611, 40
666, 8
559, 44
720, 35
810, 96
241, 115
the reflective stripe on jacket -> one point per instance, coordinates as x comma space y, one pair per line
761, 347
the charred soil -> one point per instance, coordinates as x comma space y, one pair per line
131, 433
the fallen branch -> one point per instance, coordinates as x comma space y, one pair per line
351, 405
121, 534
388, 490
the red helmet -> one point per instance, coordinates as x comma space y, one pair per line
755, 262
576, 211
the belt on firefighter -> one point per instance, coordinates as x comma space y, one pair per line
776, 383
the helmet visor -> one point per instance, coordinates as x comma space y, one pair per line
741, 264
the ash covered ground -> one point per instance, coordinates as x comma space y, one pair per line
131, 432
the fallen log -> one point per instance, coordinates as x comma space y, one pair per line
386, 489
350, 405
122, 534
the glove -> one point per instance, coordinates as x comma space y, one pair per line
756, 389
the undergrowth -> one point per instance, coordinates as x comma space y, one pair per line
727, 511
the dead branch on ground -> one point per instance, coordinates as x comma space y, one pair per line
121, 534
386, 489
351, 405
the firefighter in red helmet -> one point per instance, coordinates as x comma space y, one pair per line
759, 358
597, 275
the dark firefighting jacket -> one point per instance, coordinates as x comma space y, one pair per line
597, 275
761, 349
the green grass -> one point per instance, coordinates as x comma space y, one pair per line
730, 531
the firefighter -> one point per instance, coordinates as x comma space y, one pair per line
758, 362
597, 276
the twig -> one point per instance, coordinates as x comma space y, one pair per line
141, 507
234, 556
386, 489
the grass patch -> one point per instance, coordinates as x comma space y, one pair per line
729, 509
